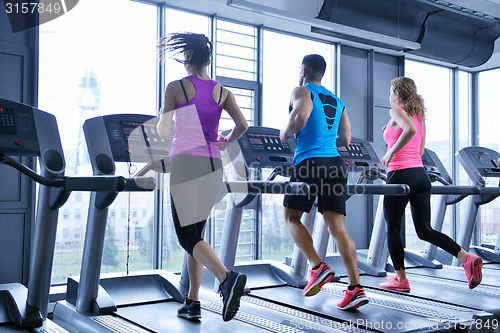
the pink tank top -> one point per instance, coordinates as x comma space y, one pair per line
197, 123
409, 155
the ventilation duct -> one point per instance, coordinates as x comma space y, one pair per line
334, 29
445, 32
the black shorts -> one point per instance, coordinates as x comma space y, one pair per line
327, 177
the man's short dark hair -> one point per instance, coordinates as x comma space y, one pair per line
315, 66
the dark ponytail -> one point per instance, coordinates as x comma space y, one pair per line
196, 47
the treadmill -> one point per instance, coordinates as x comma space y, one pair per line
142, 301
480, 164
32, 132
430, 281
272, 296
430, 252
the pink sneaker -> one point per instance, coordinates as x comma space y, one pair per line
317, 279
472, 266
353, 299
393, 284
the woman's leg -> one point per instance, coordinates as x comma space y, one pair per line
204, 253
195, 271
420, 208
394, 208
420, 203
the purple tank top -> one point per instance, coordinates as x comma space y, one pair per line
197, 123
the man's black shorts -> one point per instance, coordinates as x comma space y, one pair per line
326, 177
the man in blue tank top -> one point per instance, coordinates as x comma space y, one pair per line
319, 120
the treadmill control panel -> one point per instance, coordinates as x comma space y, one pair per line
132, 137
484, 159
262, 147
270, 143
479, 162
7, 123
360, 155
17, 129
356, 150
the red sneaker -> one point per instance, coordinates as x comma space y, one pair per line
472, 266
353, 299
317, 278
393, 284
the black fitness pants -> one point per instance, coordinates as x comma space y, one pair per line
195, 185
419, 197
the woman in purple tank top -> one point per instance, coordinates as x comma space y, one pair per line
195, 104
405, 136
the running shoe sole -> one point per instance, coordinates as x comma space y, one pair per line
188, 316
232, 305
396, 289
354, 304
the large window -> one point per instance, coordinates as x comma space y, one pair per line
282, 58
236, 51
434, 85
489, 118
94, 63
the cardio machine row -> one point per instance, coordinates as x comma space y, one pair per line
274, 275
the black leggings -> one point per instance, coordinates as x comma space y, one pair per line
195, 184
419, 197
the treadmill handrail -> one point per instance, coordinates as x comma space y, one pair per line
456, 190
93, 183
5, 159
267, 187
385, 189
297, 188
490, 190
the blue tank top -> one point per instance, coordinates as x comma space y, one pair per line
318, 138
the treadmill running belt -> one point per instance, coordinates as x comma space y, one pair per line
162, 317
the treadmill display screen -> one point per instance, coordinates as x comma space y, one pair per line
482, 158
136, 133
255, 141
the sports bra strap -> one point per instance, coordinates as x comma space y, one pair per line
184, 90
220, 95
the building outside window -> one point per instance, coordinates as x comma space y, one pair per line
92, 63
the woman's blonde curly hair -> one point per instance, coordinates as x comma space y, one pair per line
407, 91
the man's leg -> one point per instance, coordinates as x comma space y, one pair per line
320, 273
347, 248
300, 235
354, 296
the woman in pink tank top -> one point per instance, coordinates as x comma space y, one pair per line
405, 138
195, 104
